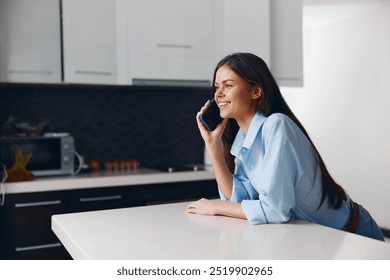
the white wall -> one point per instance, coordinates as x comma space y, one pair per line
345, 102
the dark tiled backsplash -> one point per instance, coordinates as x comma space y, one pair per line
155, 125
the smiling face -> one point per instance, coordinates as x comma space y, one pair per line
235, 97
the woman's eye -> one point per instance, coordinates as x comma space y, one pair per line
229, 85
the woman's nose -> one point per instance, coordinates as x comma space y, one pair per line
219, 93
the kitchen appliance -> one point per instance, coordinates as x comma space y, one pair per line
51, 154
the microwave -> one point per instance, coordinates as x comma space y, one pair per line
52, 154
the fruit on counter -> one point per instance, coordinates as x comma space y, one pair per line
94, 165
125, 164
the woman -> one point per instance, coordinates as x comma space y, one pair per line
267, 168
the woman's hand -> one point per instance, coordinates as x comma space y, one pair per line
216, 207
202, 206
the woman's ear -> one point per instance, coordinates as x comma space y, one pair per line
257, 92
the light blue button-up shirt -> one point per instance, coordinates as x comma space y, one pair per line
278, 176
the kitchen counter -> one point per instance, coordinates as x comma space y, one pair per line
167, 232
97, 179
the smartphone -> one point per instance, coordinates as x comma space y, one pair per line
211, 117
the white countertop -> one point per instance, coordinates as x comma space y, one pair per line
166, 232
141, 176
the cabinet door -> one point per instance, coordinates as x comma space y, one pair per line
30, 48
171, 27
172, 39
287, 42
3, 236
89, 41
28, 225
247, 27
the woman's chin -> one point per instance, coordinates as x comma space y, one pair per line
224, 115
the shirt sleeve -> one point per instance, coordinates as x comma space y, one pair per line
274, 181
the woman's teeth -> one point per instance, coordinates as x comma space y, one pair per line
223, 103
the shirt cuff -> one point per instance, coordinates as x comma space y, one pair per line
254, 212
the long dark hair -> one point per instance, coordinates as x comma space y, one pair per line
255, 71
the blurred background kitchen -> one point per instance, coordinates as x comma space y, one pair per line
125, 79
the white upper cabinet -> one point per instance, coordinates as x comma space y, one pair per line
30, 44
246, 27
146, 42
89, 41
172, 41
271, 29
287, 42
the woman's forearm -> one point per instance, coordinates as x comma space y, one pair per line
214, 148
221, 171
230, 209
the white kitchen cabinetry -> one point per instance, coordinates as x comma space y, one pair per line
287, 42
246, 27
173, 41
30, 44
89, 41
152, 42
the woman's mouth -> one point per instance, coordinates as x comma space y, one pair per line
223, 104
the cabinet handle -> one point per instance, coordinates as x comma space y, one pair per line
100, 198
31, 72
174, 46
37, 247
40, 203
93, 72
172, 83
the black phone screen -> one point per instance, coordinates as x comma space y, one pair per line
211, 117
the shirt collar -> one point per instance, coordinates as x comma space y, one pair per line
246, 141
